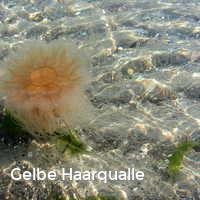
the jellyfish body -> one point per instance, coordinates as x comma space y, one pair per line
44, 86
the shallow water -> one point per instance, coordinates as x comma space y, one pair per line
145, 66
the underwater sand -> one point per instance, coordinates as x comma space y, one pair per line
145, 67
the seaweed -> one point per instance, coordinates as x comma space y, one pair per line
100, 197
175, 160
66, 139
69, 141
12, 129
56, 196
11, 124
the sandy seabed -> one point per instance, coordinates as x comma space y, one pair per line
145, 67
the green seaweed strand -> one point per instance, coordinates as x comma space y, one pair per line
175, 160
68, 140
12, 125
